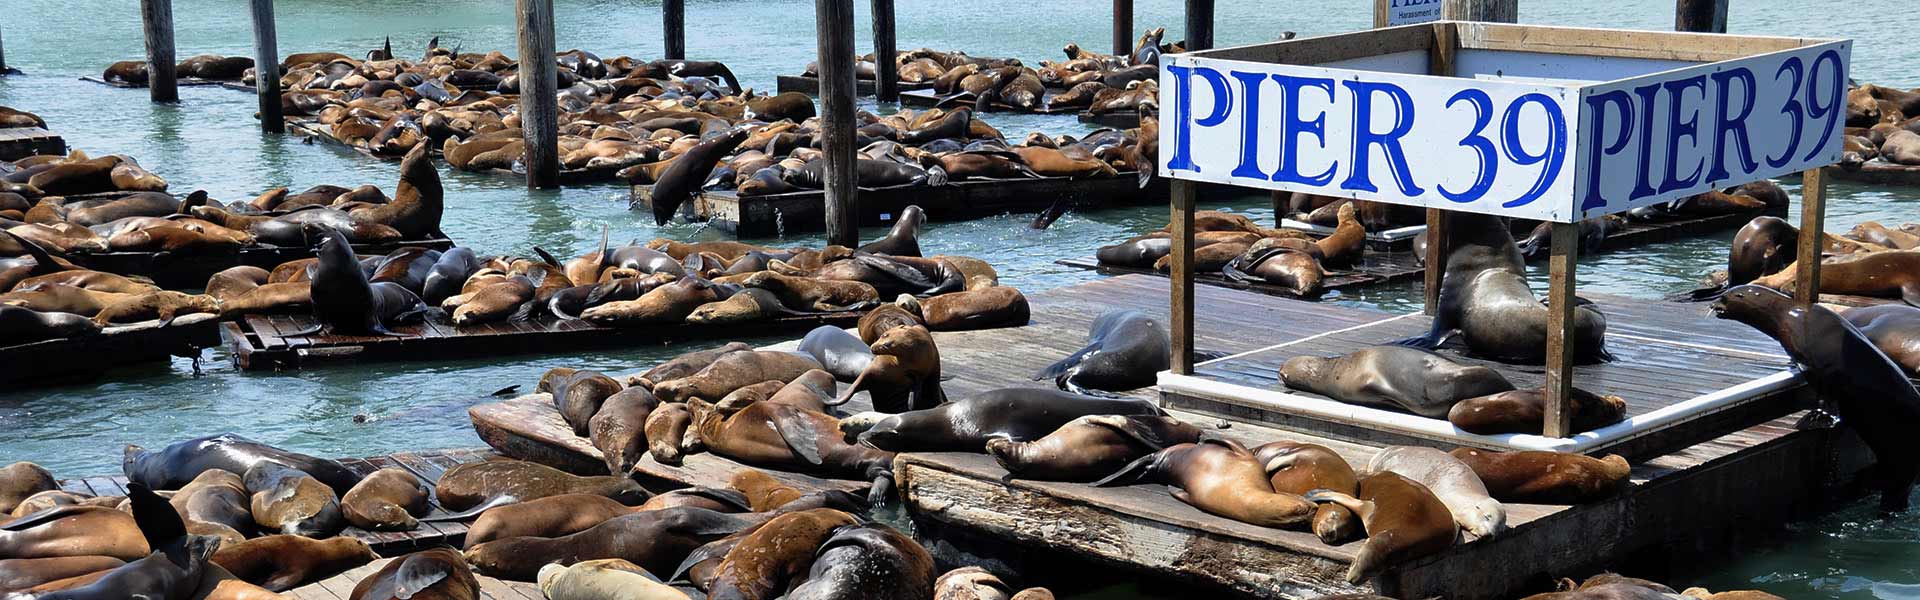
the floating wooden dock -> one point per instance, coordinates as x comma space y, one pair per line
21, 142
1687, 503
811, 85
773, 214
191, 268
1373, 268
427, 464
929, 98
67, 359
262, 342
1119, 119
340, 587
182, 82
1878, 172
313, 129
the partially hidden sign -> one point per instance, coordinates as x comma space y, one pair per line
1408, 12
1556, 150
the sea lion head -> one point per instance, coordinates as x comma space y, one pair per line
1751, 304
860, 423
1484, 518
1303, 370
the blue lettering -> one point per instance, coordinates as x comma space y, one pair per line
1642, 186
1831, 112
1792, 109
1676, 129
1555, 154
1292, 126
1249, 124
1597, 106
1364, 138
1182, 159
1724, 124
1489, 160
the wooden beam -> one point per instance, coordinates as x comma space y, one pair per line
539, 108
1618, 43
1496, 11
1123, 27
266, 67
1199, 25
1560, 342
833, 21
156, 20
3, 53
1380, 13
1813, 224
1702, 16
1446, 43
1330, 48
1182, 275
1280, 202
673, 21
886, 71
1438, 246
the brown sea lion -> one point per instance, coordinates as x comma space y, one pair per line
995, 306
1546, 477
1348, 241
802, 293
749, 304
670, 303
292, 502
17, 574
566, 514
218, 584
219, 497
1413, 380
904, 311
1220, 477
1886, 274
390, 499
283, 562
733, 371
1017, 413
418, 200
578, 396
1402, 518
786, 437
667, 432
656, 540
1450, 480
1703, 594
764, 493
685, 364
764, 562
437, 574
1090, 447
73, 531
618, 429
20, 480
475, 486
54, 498
740, 398
1894, 329
1524, 411
1299, 468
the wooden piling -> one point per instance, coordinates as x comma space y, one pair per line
1438, 245
3, 55
156, 19
1181, 225
1199, 25
266, 67
1122, 27
1560, 332
539, 109
1813, 223
886, 71
1499, 11
1704, 16
833, 23
673, 17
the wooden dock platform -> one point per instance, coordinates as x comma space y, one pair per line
1120, 119
262, 342
811, 85
340, 587
1373, 268
21, 142
181, 82
66, 359
773, 214
1878, 172
313, 129
427, 464
191, 268
930, 98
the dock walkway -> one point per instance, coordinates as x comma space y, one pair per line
63, 359
776, 214
21, 142
340, 587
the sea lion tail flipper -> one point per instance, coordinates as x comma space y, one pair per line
1046, 217
546, 257
42, 261
1135, 428
605, 253
525, 311
506, 391
938, 176
43, 517
1347, 500
714, 550
804, 441
158, 520
1701, 294
881, 490
1060, 367
473, 512
416, 574
1135, 472
1910, 294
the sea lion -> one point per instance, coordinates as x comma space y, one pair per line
20, 480
1866, 389
685, 364
656, 540
1450, 480
1886, 274
904, 373
1402, 518
768, 434
1416, 381
217, 497
764, 562
975, 583
25, 325
618, 429
1484, 298
733, 371
56, 498
682, 179
904, 238
174, 568
390, 499
1893, 328
73, 530
1300, 468
868, 561
484, 484
1017, 414
670, 303
839, 352
19, 574
763, 492
552, 516
1090, 447
1124, 351
418, 200
437, 574
1296, 270
667, 432
748, 304
1218, 476
1546, 477
902, 312
578, 396
607, 579
995, 306
1702, 594
292, 502
283, 562
343, 300
180, 462
804, 293
1524, 411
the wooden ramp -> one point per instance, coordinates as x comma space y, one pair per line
21, 142
1687, 503
340, 587
259, 342
774, 214
65, 359
428, 465
190, 268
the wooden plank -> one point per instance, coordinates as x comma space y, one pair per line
778, 214
1331, 48
1813, 217
1620, 43
1181, 225
49, 362
1560, 342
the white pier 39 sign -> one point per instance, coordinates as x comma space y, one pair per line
1557, 150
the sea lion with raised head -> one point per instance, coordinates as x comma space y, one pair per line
283, 562
1090, 447
1484, 298
1402, 518
904, 238
1450, 480
1536, 477
1218, 476
682, 179
1416, 381
904, 373
174, 568
390, 499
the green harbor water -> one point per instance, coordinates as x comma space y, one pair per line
209, 141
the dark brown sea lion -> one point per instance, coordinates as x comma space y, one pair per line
1220, 477
390, 499
868, 561
903, 312
19, 574
217, 497
685, 364
23, 325
733, 371
904, 238
20, 480
995, 306
1299, 468
667, 432
1416, 381
656, 540
1524, 411
292, 502
283, 562
1018, 414
1090, 447
1864, 387
904, 373
578, 395
127, 71
1484, 298
179, 463
618, 429
1546, 477
765, 562
1403, 521
1894, 329
476, 486
437, 574
1124, 351
681, 180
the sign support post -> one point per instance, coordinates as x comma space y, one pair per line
1182, 275
1813, 216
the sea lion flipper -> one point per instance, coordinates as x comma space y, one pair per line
416, 574
158, 520
1060, 367
506, 391
546, 257
1135, 428
1135, 472
710, 551
1358, 506
473, 512
43, 517
724, 496
801, 439
1910, 293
